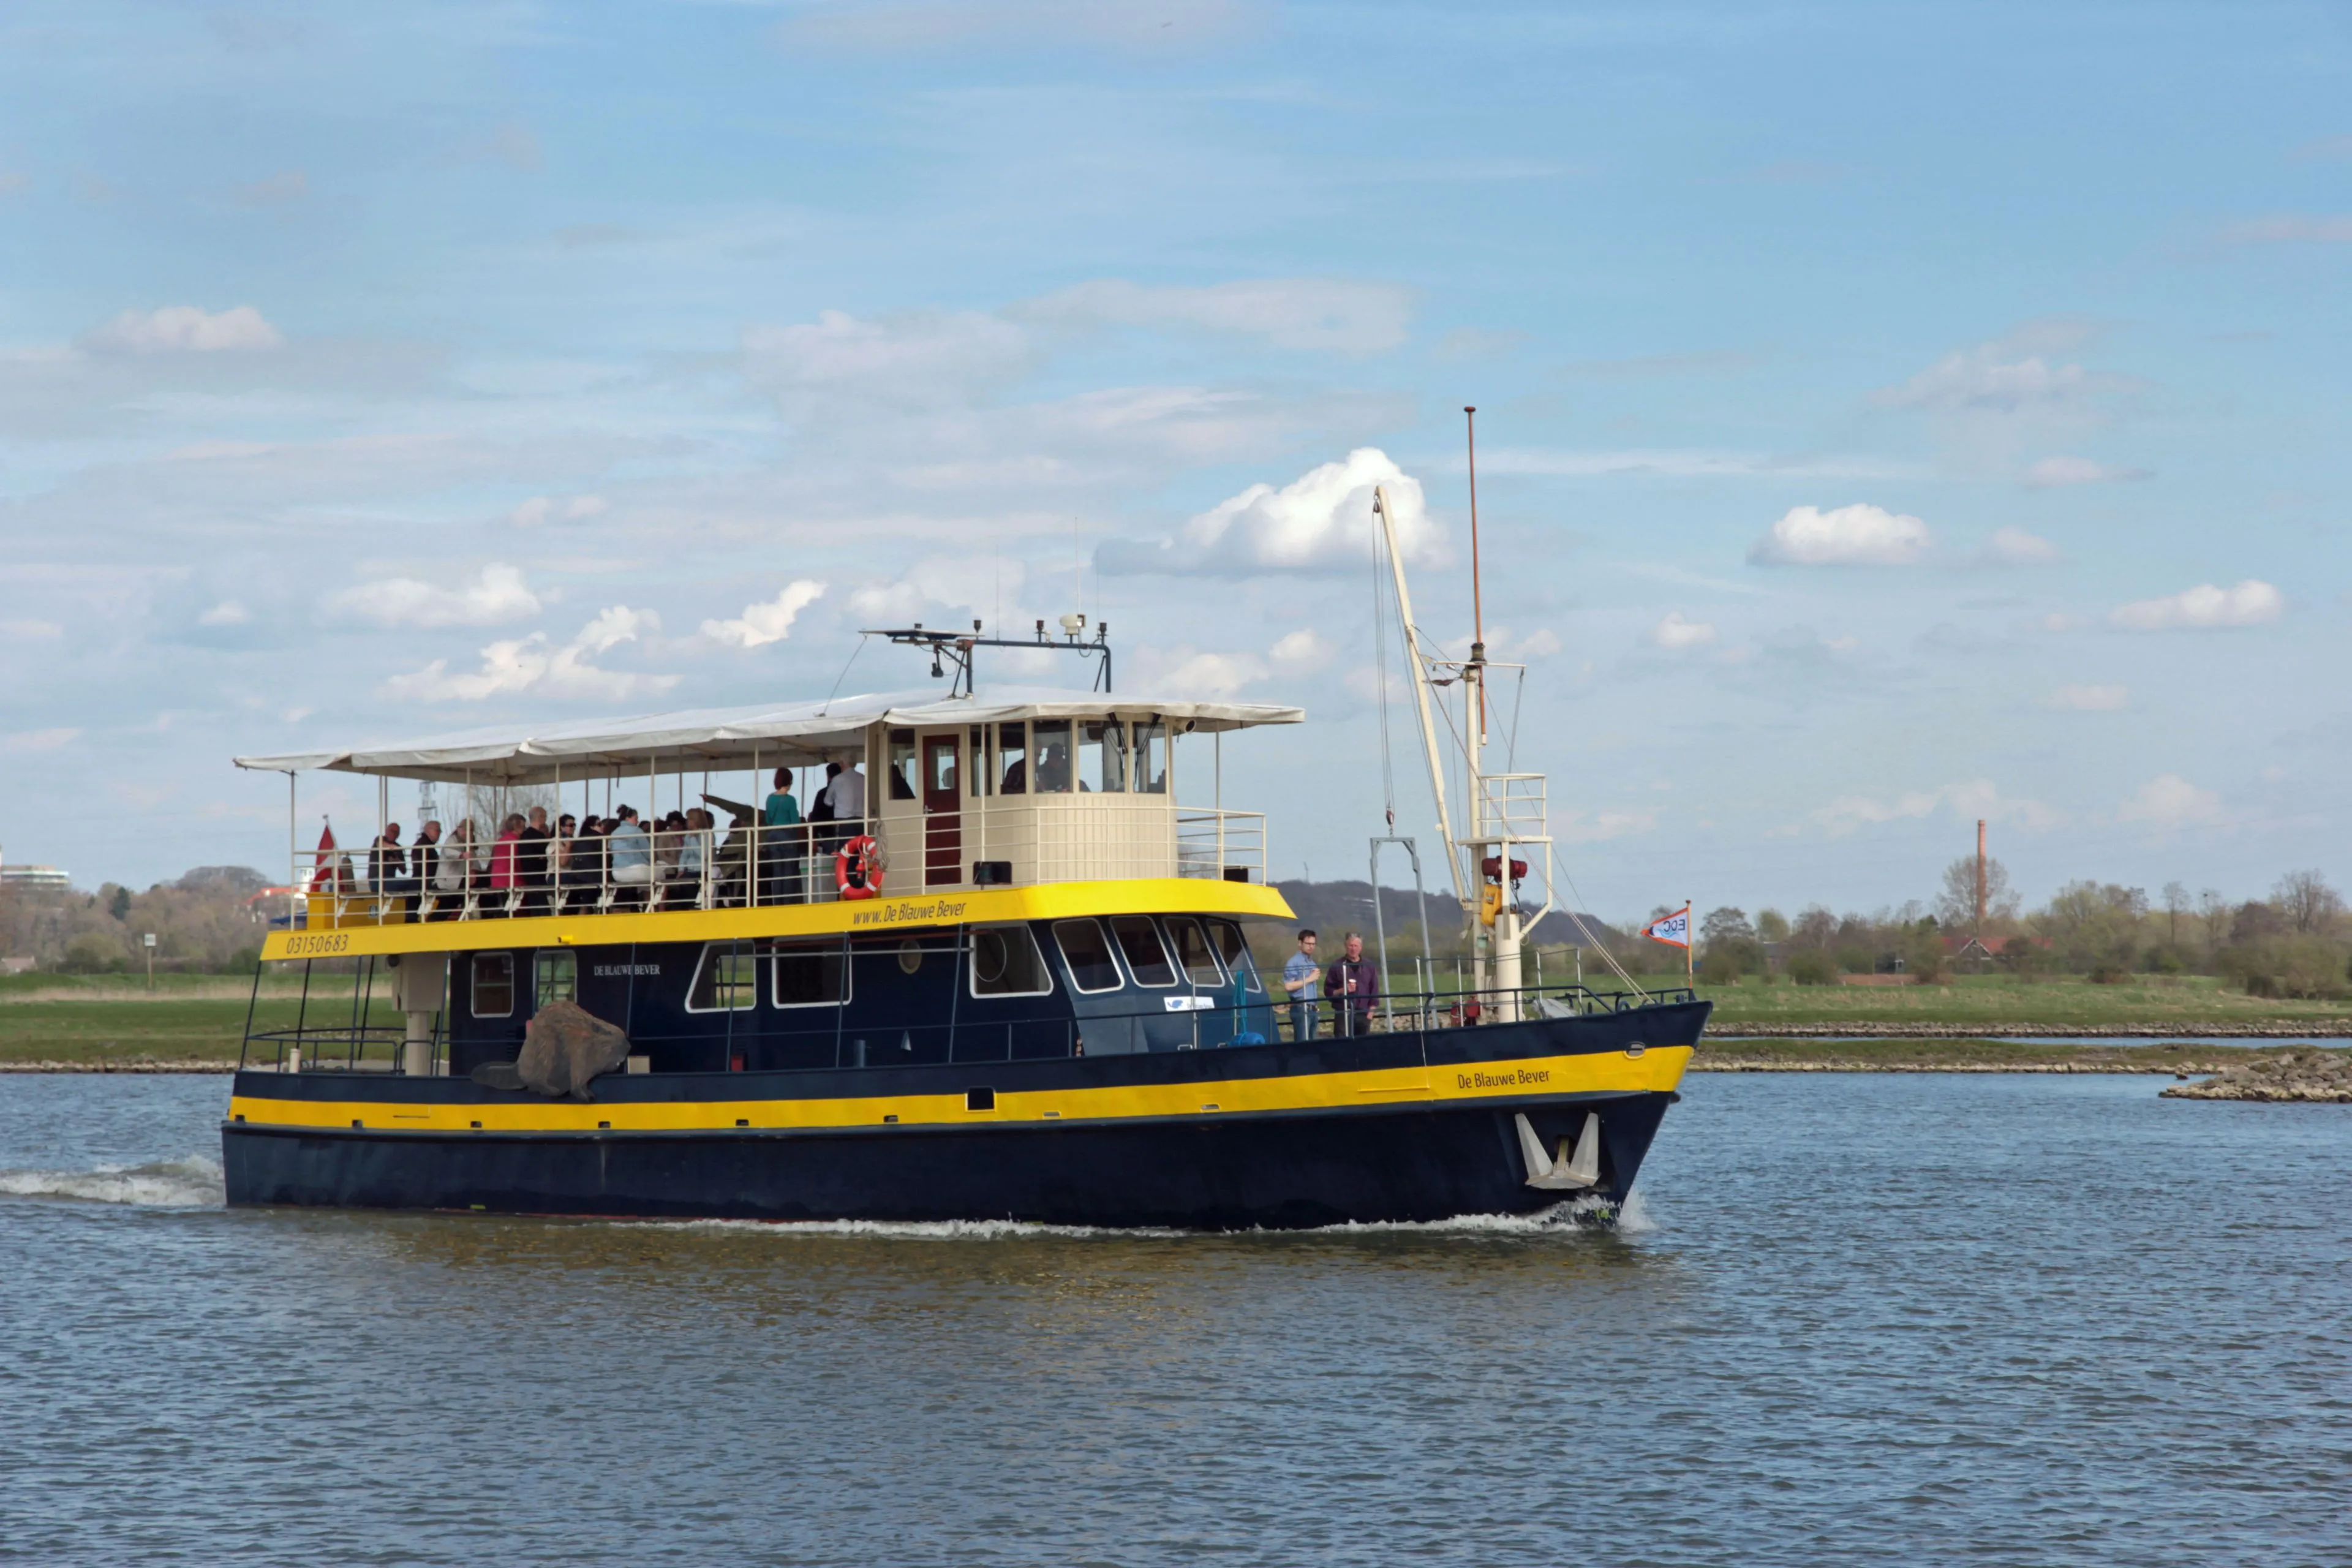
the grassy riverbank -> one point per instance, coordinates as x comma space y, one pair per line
2149, 1005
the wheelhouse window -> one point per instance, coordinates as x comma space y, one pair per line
556, 978
493, 986
1140, 944
1087, 951
1053, 750
723, 979
1151, 759
902, 764
1012, 759
1006, 963
1102, 757
810, 974
981, 772
1235, 948
1193, 951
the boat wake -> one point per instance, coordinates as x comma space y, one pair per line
192, 1182
1575, 1216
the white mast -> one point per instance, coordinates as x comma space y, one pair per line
1387, 514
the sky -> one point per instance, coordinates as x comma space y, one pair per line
1889, 417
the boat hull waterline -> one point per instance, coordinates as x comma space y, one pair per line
1406, 1126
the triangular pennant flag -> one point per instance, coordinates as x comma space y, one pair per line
1673, 929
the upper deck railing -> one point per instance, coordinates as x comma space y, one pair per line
668, 869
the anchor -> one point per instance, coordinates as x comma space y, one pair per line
1562, 1171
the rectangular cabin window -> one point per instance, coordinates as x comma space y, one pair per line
940, 761
1006, 963
557, 979
810, 974
902, 764
1139, 941
1152, 758
1230, 944
1088, 953
493, 986
981, 772
1102, 757
1053, 752
723, 979
1193, 951
1012, 758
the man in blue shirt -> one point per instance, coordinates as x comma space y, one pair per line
1300, 976
782, 845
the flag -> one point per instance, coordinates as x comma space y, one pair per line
322, 874
1673, 929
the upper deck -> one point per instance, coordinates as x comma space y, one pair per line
982, 807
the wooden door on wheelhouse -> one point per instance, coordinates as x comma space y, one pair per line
942, 813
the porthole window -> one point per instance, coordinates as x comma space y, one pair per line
910, 956
1006, 963
493, 986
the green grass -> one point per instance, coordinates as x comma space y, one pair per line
2143, 1005
1953, 1055
97, 1028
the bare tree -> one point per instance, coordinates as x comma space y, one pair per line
2213, 912
2307, 902
1956, 901
2176, 904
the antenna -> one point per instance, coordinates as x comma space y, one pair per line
1477, 600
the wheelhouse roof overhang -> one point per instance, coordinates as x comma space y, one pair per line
698, 740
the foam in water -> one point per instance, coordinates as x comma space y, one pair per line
193, 1183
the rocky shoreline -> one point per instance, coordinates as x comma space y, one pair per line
2306, 1077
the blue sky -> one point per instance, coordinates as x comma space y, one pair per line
1889, 416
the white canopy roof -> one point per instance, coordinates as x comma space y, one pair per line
786, 735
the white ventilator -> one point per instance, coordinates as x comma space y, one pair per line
1563, 1172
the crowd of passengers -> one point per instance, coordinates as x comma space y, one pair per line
579, 864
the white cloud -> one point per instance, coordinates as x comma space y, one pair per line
534, 664
185, 329
1301, 652
38, 740
2251, 604
498, 594
2288, 228
2013, 373
770, 621
1674, 632
1324, 515
917, 358
1858, 535
228, 612
2015, 547
1968, 800
978, 585
548, 509
1316, 313
31, 630
2171, 801
1575, 827
2052, 472
2089, 699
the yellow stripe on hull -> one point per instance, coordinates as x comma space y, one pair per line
356, 934
1656, 1070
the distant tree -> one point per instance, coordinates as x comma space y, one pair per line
2176, 904
2213, 914
1771, 925
1956, 901
2306, 902
2254, 919
1726, 925
118, 906
1816, 927
2094, 925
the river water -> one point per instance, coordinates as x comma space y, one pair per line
1857, 1319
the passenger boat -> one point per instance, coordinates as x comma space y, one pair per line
1017, 986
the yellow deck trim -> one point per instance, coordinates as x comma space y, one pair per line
356, 935
1658, 1070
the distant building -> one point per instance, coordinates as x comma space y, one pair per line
46, 877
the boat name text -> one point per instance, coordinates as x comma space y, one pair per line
893, 914
623, 971
1504, 1079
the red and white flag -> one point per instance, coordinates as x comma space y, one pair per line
1673, 929
322, 873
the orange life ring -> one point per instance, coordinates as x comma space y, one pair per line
858, 870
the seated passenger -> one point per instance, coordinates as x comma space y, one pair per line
453, 872
630, 850
506, 871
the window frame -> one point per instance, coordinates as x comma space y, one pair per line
972, 970
1149, 735
544, 959
1118, 945
735, 949
1217, 928
474, 986
797, 949
1110, 950
1208, 943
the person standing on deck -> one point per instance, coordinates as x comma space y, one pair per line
1353, 984
1298, 977
531, 869
783, 844
846, 795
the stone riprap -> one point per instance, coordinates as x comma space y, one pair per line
2306, 1076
